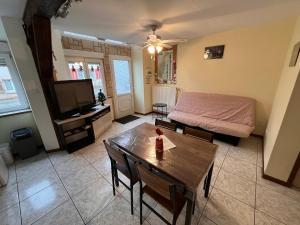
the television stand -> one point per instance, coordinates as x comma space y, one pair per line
79, 131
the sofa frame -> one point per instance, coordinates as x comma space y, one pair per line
222, 137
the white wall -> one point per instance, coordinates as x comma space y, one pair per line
29, 76
138, 79
282, 142
141, 65
60, 65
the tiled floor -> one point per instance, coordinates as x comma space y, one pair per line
67, 189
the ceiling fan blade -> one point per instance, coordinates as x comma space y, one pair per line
174, 41
147, 45
165, 45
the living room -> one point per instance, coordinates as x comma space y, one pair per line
155, 76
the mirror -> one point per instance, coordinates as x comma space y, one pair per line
165, 66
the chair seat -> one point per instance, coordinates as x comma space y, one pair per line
124, 170
166, 203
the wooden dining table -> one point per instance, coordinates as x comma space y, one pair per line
190, 162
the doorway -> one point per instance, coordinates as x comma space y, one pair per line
122, 85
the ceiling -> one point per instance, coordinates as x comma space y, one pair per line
12, 8
124, 20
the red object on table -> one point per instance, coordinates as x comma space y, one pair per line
158, 131
159, 144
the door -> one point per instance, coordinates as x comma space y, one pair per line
122, 84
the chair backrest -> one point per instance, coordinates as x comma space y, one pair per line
165, 124
201, 134
116, 155
155, 182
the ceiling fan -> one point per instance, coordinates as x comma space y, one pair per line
155, 43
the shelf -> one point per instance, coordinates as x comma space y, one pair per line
76, 130
76, 137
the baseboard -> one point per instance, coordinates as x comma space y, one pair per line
270, 178
257, 135
144, 114
294, 170
54, 150
275, 180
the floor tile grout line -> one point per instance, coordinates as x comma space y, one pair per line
65, 190
49, 212
20, 211
272, 216
101, 210
253, 207
209, 220
243, 178
37, 192
45, 188
202, 213
278, 192
213, 185
97, 213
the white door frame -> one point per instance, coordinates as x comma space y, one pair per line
118, 57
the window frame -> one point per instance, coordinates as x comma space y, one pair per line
85, 61
18, 85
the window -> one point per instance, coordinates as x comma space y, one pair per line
9, 85
122, 76
12, 95
76, 70
87, 68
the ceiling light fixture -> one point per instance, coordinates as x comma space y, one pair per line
154, 48
151, 49
64, 9
159, 48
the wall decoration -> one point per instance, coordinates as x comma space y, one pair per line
295, 54
165, 66
214, 52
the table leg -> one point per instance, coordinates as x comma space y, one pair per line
208, 179
189, 212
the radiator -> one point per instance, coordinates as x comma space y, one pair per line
162, 94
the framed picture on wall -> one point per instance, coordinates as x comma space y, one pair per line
214, 52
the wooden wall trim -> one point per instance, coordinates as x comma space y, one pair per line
291, 178
44, 8
294, 170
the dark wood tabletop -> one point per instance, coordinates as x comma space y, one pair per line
188, 162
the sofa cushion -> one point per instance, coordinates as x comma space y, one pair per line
218, 126
227, 108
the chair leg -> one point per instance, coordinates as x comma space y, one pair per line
174, 220
141, 203
204, 185
113, 178
208, 181
194, 204
131, 197
116, 177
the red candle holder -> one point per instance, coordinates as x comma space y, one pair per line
159, 144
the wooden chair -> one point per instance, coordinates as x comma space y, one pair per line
165, 124
162, 190
201, 134
120, 162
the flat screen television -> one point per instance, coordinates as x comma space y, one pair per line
74, 96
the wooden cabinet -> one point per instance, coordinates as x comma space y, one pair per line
77, 132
